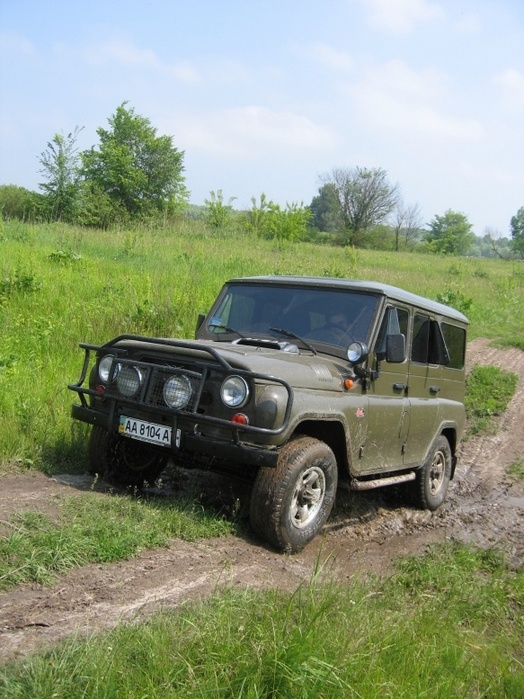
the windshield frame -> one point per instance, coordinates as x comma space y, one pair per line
250, 310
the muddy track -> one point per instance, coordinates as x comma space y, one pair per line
483, 507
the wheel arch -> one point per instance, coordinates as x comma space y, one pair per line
332, 433
450, 433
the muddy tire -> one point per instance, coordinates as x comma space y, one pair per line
291, 503
431, 484
123, 461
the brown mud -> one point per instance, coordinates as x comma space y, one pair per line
484, 507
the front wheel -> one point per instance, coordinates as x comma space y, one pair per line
431, 484
123, 461
290, 503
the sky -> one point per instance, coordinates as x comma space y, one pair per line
270, 96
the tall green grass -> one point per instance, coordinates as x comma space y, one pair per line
449, 624
488, 392
61, 285
88, 528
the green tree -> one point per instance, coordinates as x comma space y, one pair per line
60, 167
326, 214
140, 172
450, 234
20, 203
407, 222
288, 224
366, 198
96, 209
517, 232
217, 213
270, 220
257, 218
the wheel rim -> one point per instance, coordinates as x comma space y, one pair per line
308, 497
437, 473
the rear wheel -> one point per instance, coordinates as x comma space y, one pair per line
123, 461
431, 484
290, 503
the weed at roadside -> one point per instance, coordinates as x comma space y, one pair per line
488, 392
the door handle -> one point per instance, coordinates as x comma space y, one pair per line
434, 389
400, 387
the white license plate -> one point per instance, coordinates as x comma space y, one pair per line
145, 431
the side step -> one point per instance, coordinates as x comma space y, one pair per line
355, 484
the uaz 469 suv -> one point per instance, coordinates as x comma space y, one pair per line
300, 384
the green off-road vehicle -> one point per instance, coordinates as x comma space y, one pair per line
299, 384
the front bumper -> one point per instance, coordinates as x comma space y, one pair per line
192, 442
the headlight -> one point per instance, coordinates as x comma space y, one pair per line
129, 380
234, 392
177, 392
104, 368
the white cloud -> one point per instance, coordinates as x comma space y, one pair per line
252, 132
401, 16
398, 99
127, 54
511, 82
331, 58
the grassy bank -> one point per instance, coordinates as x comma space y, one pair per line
88, 528
449, 624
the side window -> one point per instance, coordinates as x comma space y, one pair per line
395, 322
429, 345
419, 347
455, 338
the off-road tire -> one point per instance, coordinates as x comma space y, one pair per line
291, 503
431, 484
123, 461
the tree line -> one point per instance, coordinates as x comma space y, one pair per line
133, 174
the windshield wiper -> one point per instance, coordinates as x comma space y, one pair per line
289, 333
226, 328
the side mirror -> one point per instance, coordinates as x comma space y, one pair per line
395, 348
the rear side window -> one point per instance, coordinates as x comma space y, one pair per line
429, 345
455, 339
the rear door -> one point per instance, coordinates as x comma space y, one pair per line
427, 355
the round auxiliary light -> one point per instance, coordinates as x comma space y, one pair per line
177, 392
104, 368
129, 380
357, 352
234, 392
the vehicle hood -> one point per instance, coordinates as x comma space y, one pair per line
300, 370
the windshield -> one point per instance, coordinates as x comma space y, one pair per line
331, 316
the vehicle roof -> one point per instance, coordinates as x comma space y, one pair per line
392, 292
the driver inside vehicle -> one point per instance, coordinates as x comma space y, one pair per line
335, 331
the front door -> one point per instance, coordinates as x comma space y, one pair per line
388, 415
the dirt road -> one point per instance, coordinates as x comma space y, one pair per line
484, 506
